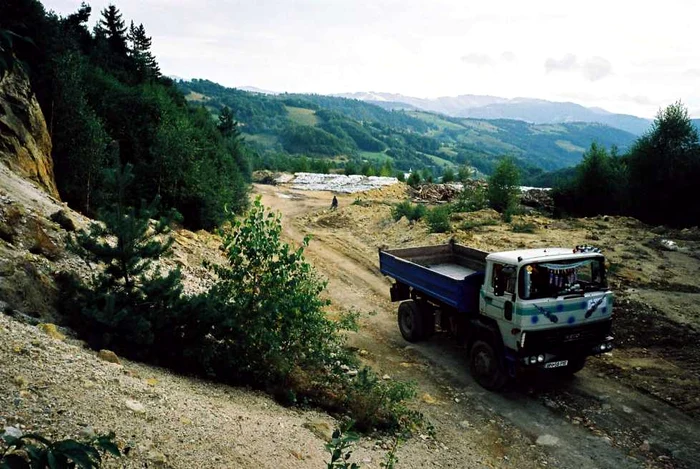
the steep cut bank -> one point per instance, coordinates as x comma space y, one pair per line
25, 143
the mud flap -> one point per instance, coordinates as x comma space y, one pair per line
399, 292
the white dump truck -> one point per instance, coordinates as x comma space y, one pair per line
535, 308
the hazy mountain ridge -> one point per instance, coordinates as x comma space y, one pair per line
537, 111
345, 130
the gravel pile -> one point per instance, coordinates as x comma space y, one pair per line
340, 182
62, 390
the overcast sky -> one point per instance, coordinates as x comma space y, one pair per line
624, 56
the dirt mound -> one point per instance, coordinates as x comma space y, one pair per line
63, 390
398, 191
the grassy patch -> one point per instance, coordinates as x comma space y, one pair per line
302, 116
523, 227
472, 224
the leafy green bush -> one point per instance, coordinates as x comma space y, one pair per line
414, 179
438, 219
376, 403
265, 315
340, 450
33, 451
448, 175
524, 227
503, 186
412, 212
472, 198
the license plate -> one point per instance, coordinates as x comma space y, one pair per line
556, 364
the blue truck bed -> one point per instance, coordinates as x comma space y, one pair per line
451, 274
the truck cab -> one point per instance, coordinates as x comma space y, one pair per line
552, 306
544, 308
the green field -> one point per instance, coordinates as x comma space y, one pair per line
302, 116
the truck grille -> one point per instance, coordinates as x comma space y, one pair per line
562, 338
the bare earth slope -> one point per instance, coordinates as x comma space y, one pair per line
621, 411
637, 407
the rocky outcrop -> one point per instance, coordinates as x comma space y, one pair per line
25, 143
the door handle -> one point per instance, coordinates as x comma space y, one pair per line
488, 299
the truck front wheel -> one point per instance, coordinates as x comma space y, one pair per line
485, 366
411, 321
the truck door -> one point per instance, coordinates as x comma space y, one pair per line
499, 292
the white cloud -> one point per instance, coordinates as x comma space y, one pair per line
566, 63
596, 68
406, 47
477, 59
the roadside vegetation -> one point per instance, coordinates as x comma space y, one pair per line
261, 324
654, 182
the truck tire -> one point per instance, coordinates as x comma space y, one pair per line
485, 366
428, 320
411, 321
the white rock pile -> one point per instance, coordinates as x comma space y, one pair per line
340, 182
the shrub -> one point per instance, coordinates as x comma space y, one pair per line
33, 451
340, 450
413, 179
448, 175
472, 198
263, 323
438, 219
407, 209
503, 186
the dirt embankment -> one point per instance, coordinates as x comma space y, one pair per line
635, 407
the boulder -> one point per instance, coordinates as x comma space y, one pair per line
64, 220
108, 356
51, 330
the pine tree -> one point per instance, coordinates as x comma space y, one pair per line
130, 303
146, 63
227, 125
112, 27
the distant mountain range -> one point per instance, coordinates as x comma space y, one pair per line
537, 111
342, 132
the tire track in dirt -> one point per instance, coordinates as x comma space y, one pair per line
536, 408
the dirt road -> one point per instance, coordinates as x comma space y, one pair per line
591, 421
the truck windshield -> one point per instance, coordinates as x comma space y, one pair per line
561, 278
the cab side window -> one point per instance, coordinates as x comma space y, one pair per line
503, 278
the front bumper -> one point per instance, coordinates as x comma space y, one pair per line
543, 348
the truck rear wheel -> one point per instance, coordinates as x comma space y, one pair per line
485, 366
411, 321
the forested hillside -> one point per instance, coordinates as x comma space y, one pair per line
340, 132
107, 105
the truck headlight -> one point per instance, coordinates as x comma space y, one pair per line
533, 360
603, 347
540, 358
